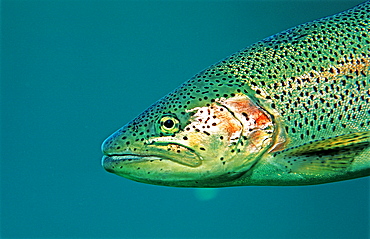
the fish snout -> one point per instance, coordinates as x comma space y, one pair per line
112, 145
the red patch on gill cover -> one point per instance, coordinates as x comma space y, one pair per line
227, 121
249, 113
214, 119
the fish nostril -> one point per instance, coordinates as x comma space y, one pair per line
105, 146
108, 146
108, 169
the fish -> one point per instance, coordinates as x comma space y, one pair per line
290, 110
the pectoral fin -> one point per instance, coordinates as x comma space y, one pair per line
327, 155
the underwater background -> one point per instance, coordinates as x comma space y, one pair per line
73, 72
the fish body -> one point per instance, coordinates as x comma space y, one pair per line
292, 109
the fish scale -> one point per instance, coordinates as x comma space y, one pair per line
275, 72
311, 85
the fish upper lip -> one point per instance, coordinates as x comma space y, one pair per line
112, 159
128, 157
188, 158
109, 161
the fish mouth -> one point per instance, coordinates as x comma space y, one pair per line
128, 157
109, 161
181, 155
157, 150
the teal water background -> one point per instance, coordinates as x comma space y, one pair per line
72, 72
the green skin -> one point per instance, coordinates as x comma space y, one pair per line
292, 109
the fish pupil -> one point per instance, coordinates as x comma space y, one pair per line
168, 124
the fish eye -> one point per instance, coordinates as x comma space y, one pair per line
169, 124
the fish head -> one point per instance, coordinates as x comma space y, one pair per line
190, 139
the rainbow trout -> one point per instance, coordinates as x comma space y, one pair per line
292, 109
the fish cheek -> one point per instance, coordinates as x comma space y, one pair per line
229, 135
211, 131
